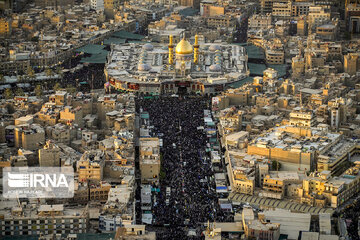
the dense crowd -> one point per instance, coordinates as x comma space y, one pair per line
92, 74
185, 165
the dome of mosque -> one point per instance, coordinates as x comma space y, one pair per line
215, 68
214, 47
148, 47
184, 47
143, 67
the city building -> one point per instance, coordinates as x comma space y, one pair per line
33, 219
149, 159
97, 5
49, 155
29, 136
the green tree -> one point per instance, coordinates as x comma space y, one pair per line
276, 165
57, 87
19, 92
8, 94
38, 91
2, 78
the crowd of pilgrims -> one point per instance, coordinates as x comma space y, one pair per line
185, 164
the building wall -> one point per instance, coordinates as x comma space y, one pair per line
16, 226
49, 157
281, 155
88, 171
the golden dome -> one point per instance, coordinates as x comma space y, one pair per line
184, 47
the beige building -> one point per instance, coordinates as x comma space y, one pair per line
318, 15
351, 63
134, 232
110, 7
321, 189
90, 170
283, 144
61, 133
275, 56
5, 26
258, 21
29, 136
209, 9
327, 32
282, 8
60, 98
149, 159
72, 116
302, 118
258, 228
298, 66
240, 172
223, 21
49, 155
300, 8
43, 220
302, 26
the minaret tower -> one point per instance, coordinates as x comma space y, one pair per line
171, 50
196, 50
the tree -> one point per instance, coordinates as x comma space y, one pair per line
2, 78
10, 108
49, 72
30, 72
19, 92
20, 78
8, 94
58, 70
57, 87
38, 91
70, 89
276, 165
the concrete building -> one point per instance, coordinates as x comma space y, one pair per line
241, 172
24, 120
321, 189
91, 166
291, 224
318, 15
258, 229
302, 118
60, 98
149, 159
72, 116
291, 152
134, 232
211, 8
97, 5
351, 63
352, 16
190, 3
5, 26
258, 22
42, 220
298, 66
49, 155
300, 8
282, 8
29, 136
110, 7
